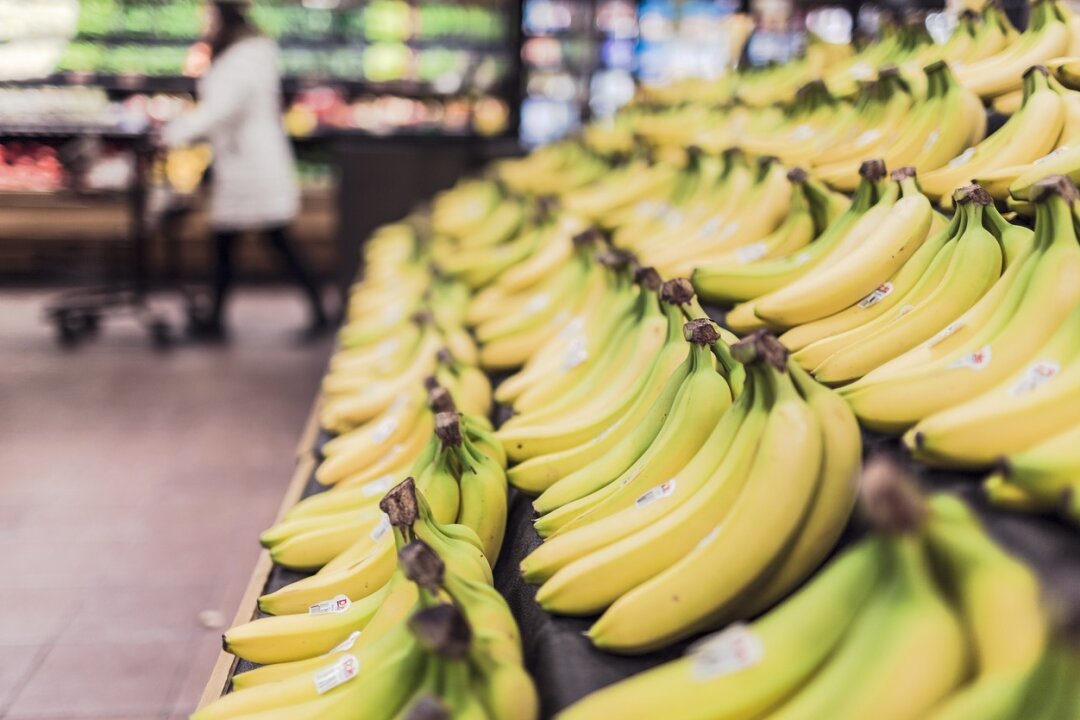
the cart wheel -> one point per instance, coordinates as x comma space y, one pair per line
91, 323
68, 330
160, 334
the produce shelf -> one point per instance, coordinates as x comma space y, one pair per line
561, 659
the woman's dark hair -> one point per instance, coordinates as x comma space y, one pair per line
233, 25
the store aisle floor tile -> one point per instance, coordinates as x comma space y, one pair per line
85, 681
135, 485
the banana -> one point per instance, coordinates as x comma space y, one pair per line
637, 338
1044, 475
549, 373
776, 655
999, 600
483, 499
303, 636
676, 601
883, 669
832, 504
866, 267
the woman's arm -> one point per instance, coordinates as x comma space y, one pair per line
223, 96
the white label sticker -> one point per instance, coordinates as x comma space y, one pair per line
862, 70
537, 303
976, 360
339, 604
931, 139
345, 644
729, 651
868, 137
378, 486
576, 354
750, 253
662, 490
572, 328
961, 158
388, 347
673, 219
877, 296
904, 310
383, 430
381, 529
710, 227
393, 314
1037, 373
948, 331
802, 132
343, 670
730, 229
647, 207
802, 258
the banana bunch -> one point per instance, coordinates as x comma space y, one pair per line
627, 363
725, 283
403, 325
554, 169
436, 632
757, 213
898, 43
878, 245
695, 191
993, 341
1030, 134
978, 35
539, 300
812, 209
925, 618
342, 534
1049, 35
1014, 182
467, 205
1041, 478
646, 450
927, 135
951, 271
701, 494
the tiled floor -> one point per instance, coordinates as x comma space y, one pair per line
133, 485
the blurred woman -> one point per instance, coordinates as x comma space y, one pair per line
254, 178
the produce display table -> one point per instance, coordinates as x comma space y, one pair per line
562, 661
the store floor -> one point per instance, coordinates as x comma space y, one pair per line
133, 485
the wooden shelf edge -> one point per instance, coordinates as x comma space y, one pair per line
305, 465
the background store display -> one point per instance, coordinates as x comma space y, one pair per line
432, 52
